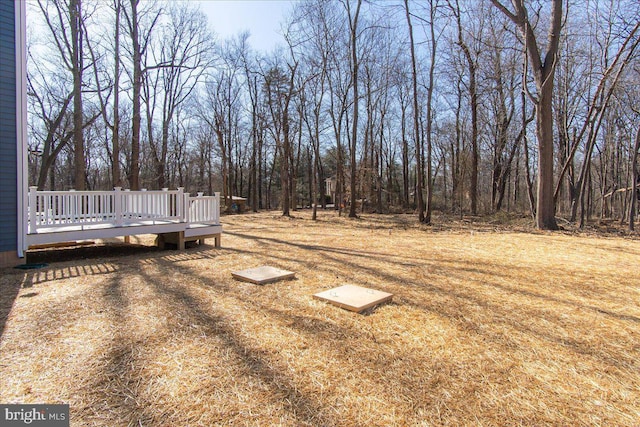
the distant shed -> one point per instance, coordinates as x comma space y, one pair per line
238, 204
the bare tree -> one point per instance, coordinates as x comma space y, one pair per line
51, 109
593, 119
180, 64
416, 118
433, 7
543, 69
66, 22
279, 90
251, 77
115, 129
471, 58
635, 181
354, 63
314, 41
339, 83
219, 105
77, 68
140, 41
105, 90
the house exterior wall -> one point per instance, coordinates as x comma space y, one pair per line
8, 137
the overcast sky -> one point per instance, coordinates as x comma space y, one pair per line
262, 18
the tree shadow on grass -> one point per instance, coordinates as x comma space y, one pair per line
305, 407
339, 341
499, 314
116, 388
81, 253
10, 286
301, 406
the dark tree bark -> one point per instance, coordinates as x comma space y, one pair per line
76, 25
115, 135
543, 73
416, 118
134, 167
353, 38
70, 42
432, 66
139, 45
473, 95
635, 182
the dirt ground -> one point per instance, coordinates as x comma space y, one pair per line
490, 325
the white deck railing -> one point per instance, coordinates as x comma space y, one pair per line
118, 208
204, 209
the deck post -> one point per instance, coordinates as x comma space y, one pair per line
180, 213
181, 244
216, 211
73, 205
201, 208
33, 209
185, 205
165, 202
144, 202
117, 206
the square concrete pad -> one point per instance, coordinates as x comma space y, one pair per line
354, 298
262, 275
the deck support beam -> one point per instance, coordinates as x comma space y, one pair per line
179, 239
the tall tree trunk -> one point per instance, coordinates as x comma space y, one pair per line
353, 28
286, 159
161, 170
260, 183
226, 196
545, 208
432, 67
285, 167
405, 161
635, 182
379, 166
416, 118
473, 94
456, 148
543, 73
75, 13
530, 196
115, 135
315, 188
134, 167
253, 192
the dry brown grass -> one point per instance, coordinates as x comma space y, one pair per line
488, 327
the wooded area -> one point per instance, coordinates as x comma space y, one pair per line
460, 106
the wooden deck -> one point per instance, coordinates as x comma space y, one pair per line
175, 216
